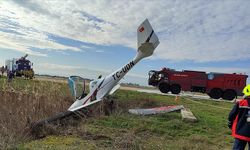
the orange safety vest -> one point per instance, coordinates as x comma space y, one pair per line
241, 124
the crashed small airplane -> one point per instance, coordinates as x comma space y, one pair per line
100, 88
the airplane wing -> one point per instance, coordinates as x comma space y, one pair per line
85, 105
89, 99
84, 102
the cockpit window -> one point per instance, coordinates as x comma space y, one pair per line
151, 73
210, 76
161, 75
93, 83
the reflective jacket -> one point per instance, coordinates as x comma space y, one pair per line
240, 118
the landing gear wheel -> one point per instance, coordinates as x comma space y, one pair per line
215, 93
229, 95
175, 89
164, 87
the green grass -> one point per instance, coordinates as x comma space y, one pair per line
165, 131
59, 142
122, 130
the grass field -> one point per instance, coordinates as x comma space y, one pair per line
25, 101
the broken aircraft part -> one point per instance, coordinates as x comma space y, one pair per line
156, 110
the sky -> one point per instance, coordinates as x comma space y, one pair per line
89, 38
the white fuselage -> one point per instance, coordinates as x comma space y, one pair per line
113, 79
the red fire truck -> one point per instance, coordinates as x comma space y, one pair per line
216, 85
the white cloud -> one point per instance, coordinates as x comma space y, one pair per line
23, 37
99, 51
51, 66
199, 30
86, 47
61, 69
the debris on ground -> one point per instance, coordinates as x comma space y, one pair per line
187, 115
156, 110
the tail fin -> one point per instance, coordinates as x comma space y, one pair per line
147, 40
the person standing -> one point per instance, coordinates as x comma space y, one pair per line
239, 121
2, 70
10, 76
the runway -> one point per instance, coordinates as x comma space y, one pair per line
185, 94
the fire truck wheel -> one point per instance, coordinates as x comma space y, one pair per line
175, 89
229, 95
164, 87
215, 93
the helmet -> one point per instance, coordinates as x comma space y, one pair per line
246, 90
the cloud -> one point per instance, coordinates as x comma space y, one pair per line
207, 32
86, 47
99, 51
25, 37
61, 69
51, 66
198, 31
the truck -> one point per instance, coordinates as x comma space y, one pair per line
21, 67
216, 85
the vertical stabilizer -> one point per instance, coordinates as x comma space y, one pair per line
147, 40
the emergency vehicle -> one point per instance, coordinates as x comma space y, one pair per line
216, 85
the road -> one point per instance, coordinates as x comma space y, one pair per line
186, 94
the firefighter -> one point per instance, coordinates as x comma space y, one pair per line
239, 121
2, 70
